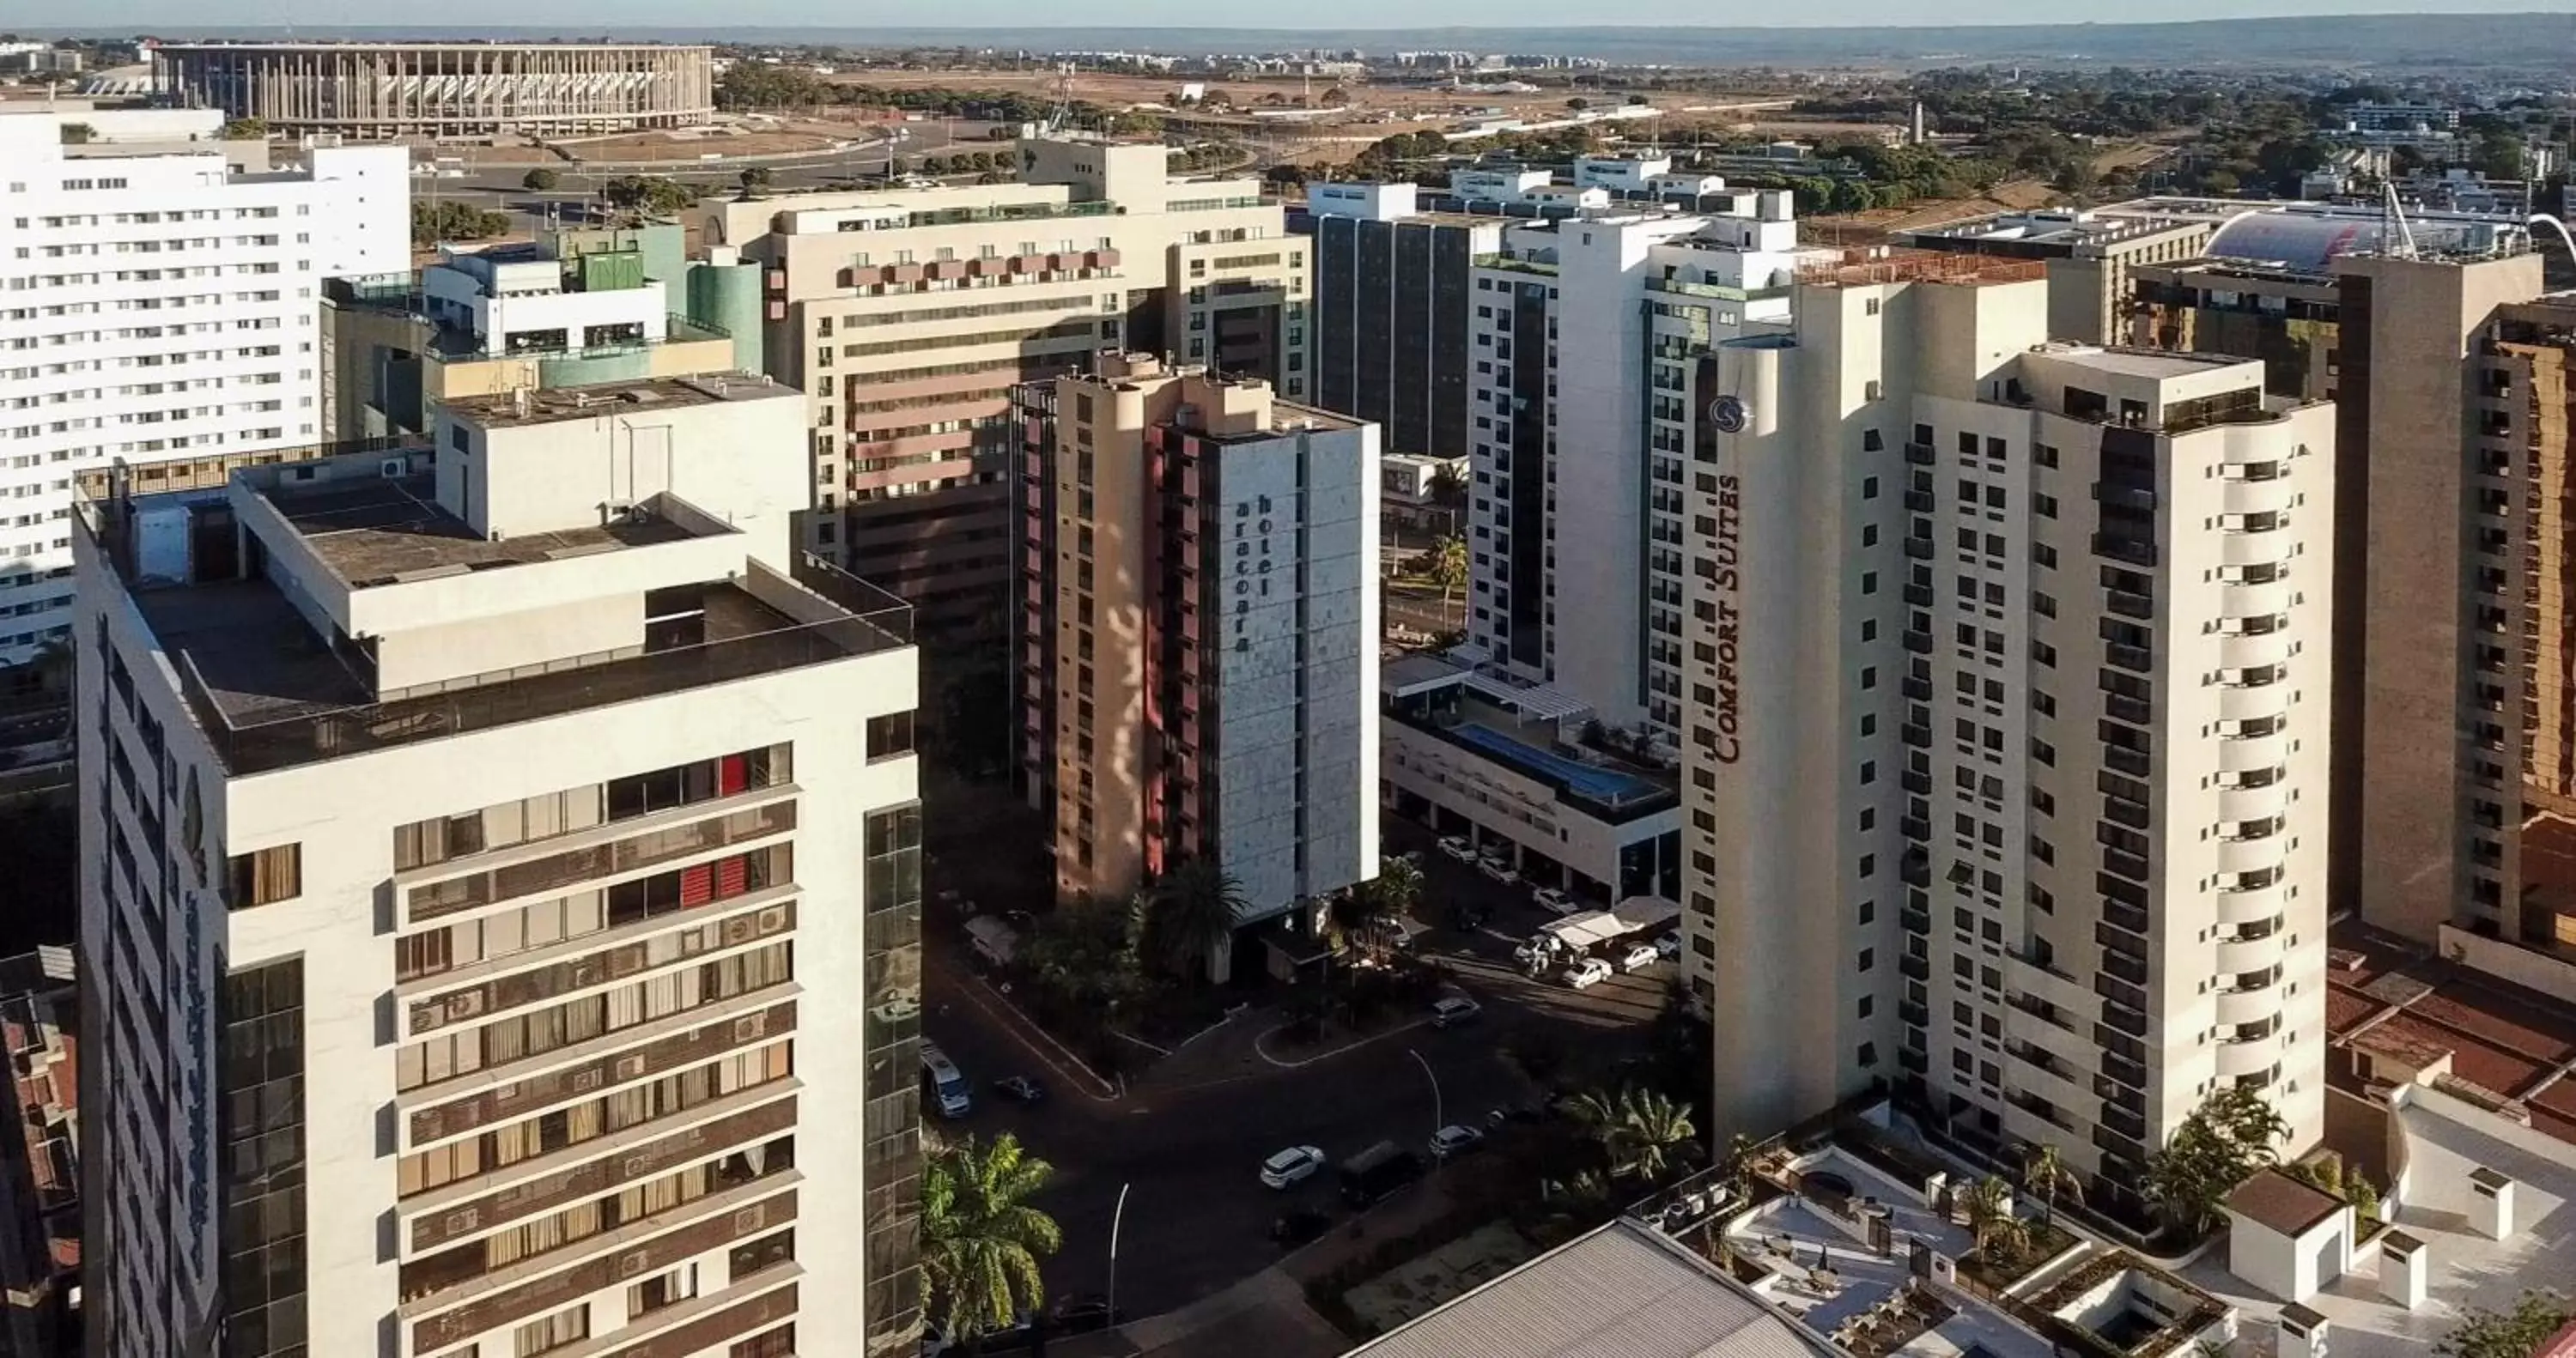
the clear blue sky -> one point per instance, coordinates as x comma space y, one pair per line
1009, 18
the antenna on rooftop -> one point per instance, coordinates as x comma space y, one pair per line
2395, 236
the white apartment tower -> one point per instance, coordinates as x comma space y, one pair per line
504, 896
159, 307
1581, 333
2008, 720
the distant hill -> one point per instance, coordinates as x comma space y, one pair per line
2375, 40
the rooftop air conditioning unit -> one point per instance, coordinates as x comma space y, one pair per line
392, 468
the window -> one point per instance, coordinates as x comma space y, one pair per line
889, 736
552, 1332
268, 876
654, 1293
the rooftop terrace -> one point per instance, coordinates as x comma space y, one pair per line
527, 406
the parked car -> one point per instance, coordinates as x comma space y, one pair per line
1669, 943
1497, 870
1451, 1010
1412, 857
1455, 1140
1369, 1177
1082, 1315
1587, 972
1553, 901
1022, 1089
1639, 956
1299, 1228
1458, 848
1292, 1166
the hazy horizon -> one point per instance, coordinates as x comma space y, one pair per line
1008, 16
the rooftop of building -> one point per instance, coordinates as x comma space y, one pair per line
528, 406
2424, 1018
2447, 1149
363, 45
1622, 1291
1523, 727
392, 530
2068, 228
1880, 265
2282, 1204
2154, 365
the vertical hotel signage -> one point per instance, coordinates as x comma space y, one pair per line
1722, 416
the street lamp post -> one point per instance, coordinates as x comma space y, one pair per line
1438, 1119
1116, 1218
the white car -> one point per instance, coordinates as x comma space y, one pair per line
1498, 870
1455, 1140
1458, 848
1535, 951
1553, 901
1670, 944
1291, 1166
1639, 957
1452, 1010
1585, 974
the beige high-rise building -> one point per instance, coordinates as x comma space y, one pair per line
907, 315
2006, 752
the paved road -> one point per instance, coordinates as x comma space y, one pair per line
1422, 612
1197, 1217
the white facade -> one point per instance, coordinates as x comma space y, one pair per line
1498, 186
160, 307
2007, 735
1612, 302
1625, 174
515, 301
552, 923
1371, 201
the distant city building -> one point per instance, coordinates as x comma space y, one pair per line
2402, 118
1392, 310
161, 307
577, 306
2089, 258
2016, 653
1409, 487
436, 89
40, 1179
1200, 619
528, 790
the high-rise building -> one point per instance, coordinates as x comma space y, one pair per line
160, 307
1392, 289
40, 1188
2008, 718
2444, 359
907, 315
1582, 329
1199, 633
475, 825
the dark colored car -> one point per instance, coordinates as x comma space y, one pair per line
1082, 1315
1299, 1228
1021, 1089
1372, 1175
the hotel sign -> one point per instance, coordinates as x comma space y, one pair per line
1722, 417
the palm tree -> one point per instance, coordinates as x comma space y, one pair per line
2045, 1176
1195, 907
980, 1240
1362, 914
1651, 1128
1401, 882
1737, 1163
1991, 1221
1449, 566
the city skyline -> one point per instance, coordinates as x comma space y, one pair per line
760, 14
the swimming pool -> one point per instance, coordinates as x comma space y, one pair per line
1599, 784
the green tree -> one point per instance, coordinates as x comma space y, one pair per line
1638, 1130
648, 195
1449, 566
933, 165
980, 1239
540, 180
78, 134
1998, 1231
245, 129
2216, 1148
449, 220
1364, 916
1193, 912
2518, 1333
753, 179
2044, 1176
1578, 105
